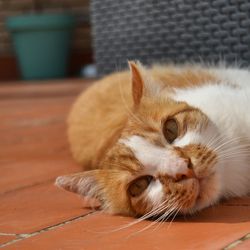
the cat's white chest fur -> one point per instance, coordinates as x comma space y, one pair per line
227, 105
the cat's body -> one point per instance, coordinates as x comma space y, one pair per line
181, 141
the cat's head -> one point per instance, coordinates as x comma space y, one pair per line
162, 162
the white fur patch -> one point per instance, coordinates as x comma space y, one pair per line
155, 192
155, 159
189, 137
227, 107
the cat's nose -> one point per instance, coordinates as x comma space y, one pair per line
185, 172
189, 173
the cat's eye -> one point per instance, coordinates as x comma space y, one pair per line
139, 185
170, 130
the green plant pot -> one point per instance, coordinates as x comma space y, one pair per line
42, 44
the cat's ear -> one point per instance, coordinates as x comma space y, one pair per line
83, 183
93, 183
103, 185
143, 83
137, 81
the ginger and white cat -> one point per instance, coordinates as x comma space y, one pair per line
179, 141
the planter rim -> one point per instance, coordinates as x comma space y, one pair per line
40, 22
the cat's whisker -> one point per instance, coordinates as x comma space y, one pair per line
235, 158
240, 141
235, 148
174, 217
221, 141
172, 208
142, 218
232, 153
231, 141
159, 220
227, 143
166, 216
214, 140
158, 209
236, 151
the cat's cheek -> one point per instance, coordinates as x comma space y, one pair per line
186, 196
210, 192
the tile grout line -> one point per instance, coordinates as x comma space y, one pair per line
49, 228
237, 242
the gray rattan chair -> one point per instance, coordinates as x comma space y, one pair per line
169, 30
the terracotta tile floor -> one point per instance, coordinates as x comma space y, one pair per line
36, 215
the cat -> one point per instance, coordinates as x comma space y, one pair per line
164, 139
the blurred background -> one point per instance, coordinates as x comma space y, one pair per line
50, 39
79, 51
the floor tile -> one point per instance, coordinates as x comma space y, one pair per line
35, 128
34, 151
62, 87
20, 174
33, 141
244, 245
6, 238
38, 207
101, 231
